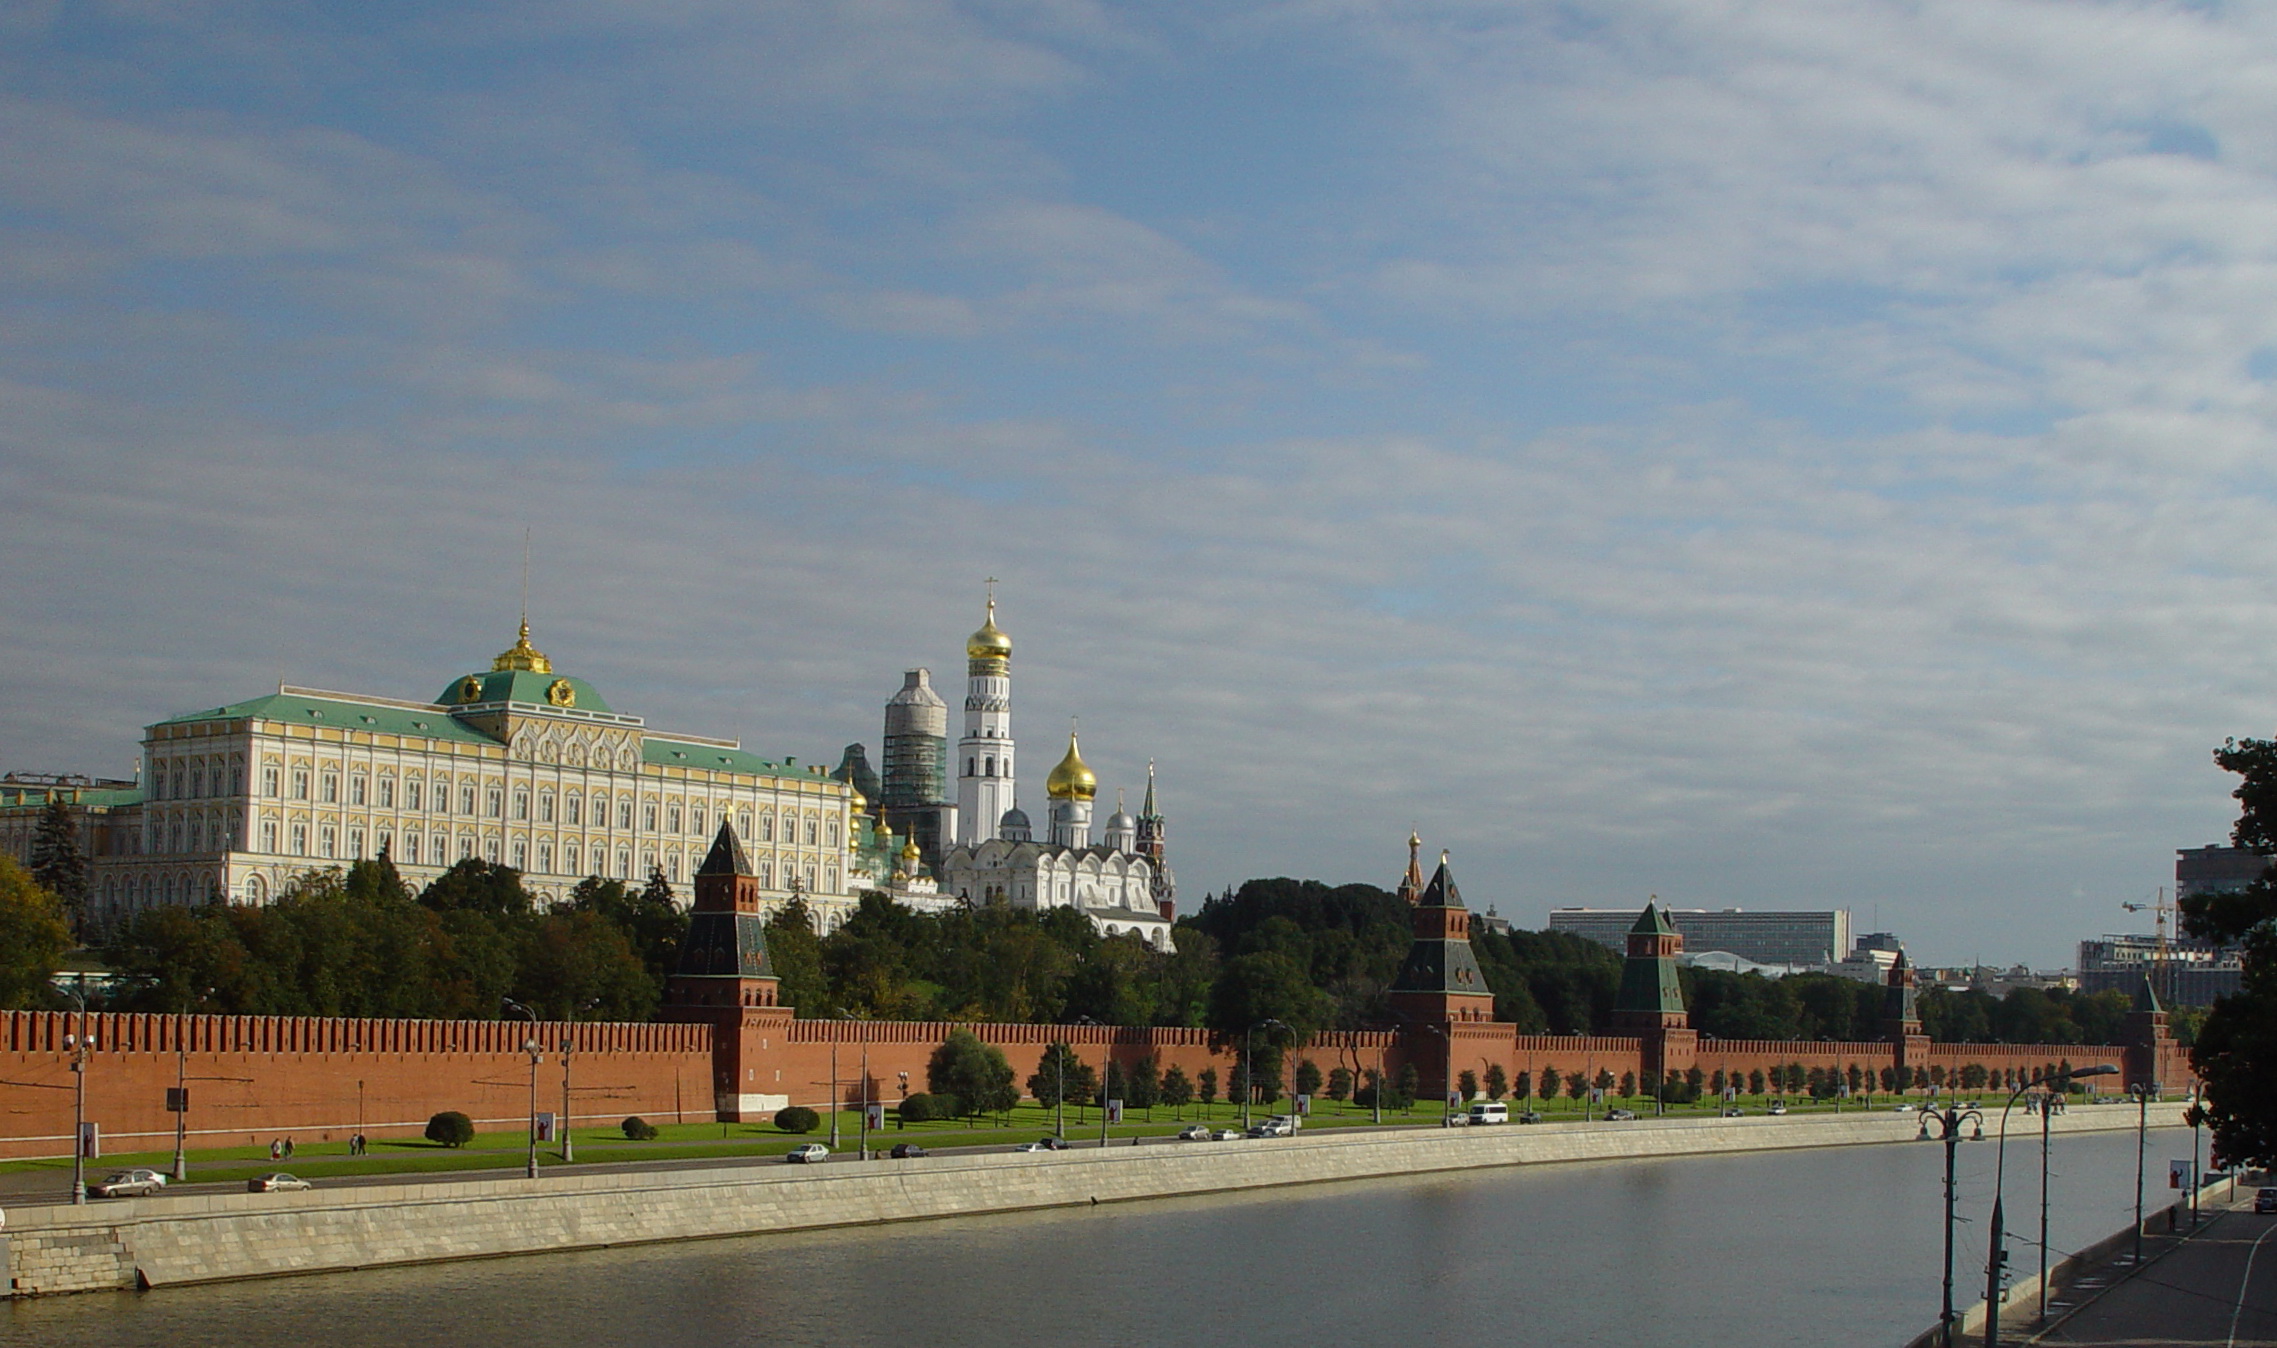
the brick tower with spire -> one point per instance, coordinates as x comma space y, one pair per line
724, 978
1650, 1003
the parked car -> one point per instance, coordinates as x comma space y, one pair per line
1734, 1112
127, 1184
275, 1182
1196, 1132
1777, 1107
903, 1151
1620, 1115
1226, 1135
1901, 1109
2265, 1201
1043, 1144
1489, 1111
807, 1153
1280, 1125
1530, 1116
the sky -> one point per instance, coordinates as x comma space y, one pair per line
1752, 455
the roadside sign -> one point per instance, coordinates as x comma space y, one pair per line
1114, 1111
2178, 1174
876, 1114
177, 1099
545, 1127
91, 1140
1304, 1104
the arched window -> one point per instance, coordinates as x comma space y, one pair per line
648, 816
300, 783
466, 798
256, 889
696, 818
411, 793
497, 802
569, 857
197, 782
545, 807
624, 863
330, 793
269, 836
356, 844
545, 858
269, 780
988, 766
743, 822
766, 828
648, 863
466, 847
521, 855
386, 792
356, 788
572, 809
300, 840
766, 870
490, 850
810, 827
672, 867
327, 841
672, 818
521, 803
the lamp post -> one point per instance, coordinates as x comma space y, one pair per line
1996, 1251
2142, 1091
1248, 1067
533, 1048
181, 1105
2195, 1116
77, 1044
1949, 1121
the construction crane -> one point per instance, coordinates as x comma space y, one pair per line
2160, 908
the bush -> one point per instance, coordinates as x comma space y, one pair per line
917, 1108
947, 1106
640, 1129
797, 1119
450, 1128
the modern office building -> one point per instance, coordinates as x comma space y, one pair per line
1804, 939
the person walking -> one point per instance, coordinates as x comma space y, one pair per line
276, 1149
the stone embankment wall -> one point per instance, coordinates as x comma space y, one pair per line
185, 1239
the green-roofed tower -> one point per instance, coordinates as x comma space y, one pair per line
1440, 981
1650, 993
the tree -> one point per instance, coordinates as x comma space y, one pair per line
1628, 1083
1410, 1082
1178, 1091
1694, 1082
1340, 1084
797, 956
34, 935
1497, 1082
1207, 1083
58, 863
1144, 1090
974, 1072
1059, 1076
1576, 1086
1237, 1084
1755, 1082
1523, 1086
1466, 1082
2236, 1050
1308, 1077
450, 1129
651, 920
1549, 1080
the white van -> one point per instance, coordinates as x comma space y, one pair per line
1489, 1111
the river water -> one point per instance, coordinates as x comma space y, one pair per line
1834, 1245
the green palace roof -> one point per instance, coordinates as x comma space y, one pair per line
380, 717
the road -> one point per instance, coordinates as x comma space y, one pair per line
2218, 1289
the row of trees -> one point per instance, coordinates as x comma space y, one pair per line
360, 943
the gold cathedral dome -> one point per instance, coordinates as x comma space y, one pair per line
991, 641
522, 655
1073, 779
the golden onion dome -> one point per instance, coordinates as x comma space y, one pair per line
1073, 779
522, 655
855, 800
909, 850
990, 642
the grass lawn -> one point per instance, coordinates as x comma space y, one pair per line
678, 1141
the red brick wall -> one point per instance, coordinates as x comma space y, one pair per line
256, 1078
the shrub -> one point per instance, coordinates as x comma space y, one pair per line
640, 1129
916, 1109
947, 1106
797, 1119
450, 1128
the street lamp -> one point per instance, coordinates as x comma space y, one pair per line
2196, 1117
2144, 1092
77, 1044
1248, 1067
1949, 1121
532, 1047
568, 1144
1996, 1253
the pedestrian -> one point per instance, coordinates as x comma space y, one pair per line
288, 1148
276, 1149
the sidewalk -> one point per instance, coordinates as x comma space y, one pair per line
2190, 1289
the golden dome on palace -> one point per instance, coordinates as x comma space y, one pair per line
990, 642
909, 850
522, 655
1073, 779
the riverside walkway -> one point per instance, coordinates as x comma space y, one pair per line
2216, 1287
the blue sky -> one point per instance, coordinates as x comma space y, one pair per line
1754, 455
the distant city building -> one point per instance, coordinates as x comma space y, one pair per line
914, 795
2196, 971
1806, 939
2215, 869
1871, 959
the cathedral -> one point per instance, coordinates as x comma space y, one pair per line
980, 847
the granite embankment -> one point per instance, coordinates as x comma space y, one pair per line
163, 1241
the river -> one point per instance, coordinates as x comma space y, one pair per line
1833, 1245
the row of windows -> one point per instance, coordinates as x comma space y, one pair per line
987, 767
190, 780
493, 802
440, 849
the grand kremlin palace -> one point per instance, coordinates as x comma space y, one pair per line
514, 764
